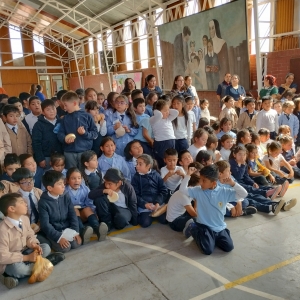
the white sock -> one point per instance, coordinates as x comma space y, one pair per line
270, 207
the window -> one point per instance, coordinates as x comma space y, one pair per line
143, 43
38, 44
128, 45
192, 7
15, 42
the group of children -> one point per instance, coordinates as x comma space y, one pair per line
85, 165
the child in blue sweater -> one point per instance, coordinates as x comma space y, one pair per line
11, 164
132, 151
57, 213
210, 230
84, 207
44, 138
109, 159
150, 190
81, 125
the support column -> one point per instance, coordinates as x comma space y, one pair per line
135, 46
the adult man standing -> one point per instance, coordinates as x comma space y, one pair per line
222, 87
181, 51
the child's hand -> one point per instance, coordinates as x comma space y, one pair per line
151, 143
233, 212
191, 170
64, 243
239, 209
229, 181
117, 125
81, 130
255, 185
292, 162
32, 256
180, 173
150, 206
69, 140
109, 192
42, 164
37, 248
78, 239
271, 178
171, 173
126, 128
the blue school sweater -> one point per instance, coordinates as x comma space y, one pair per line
44, 140
56, 215
70, 124
292, 121
80, 196
240, 173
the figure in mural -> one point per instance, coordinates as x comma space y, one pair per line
202, 73
220, 48
204, 41
181, 51
212, 67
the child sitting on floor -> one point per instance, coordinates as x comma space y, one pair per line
199, 142
150, 190
132, 151
185, 159
11, 164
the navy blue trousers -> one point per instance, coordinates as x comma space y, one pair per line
179, 223
259, 202
147, 148
207, 239
145, 220
245, 203
181, 144
159, 149
260, 180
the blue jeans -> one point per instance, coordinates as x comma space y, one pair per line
24, 269
261, 203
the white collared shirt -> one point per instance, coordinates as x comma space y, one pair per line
52, 122
12, 126
34, 199
31, 119
53, 197
14, 221
87, 172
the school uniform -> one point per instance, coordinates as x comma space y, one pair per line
131, 166
116, 161
291, 121
194, 150
5, 143
197, 111
4, 176
149, 110
149, 188
120, 213
56, 215
174, 181
231, 114
94, 179
210, 229
221, 133
247, 120
122, 141
225, 153
269, 120
20, 139
288, 155
37, 176
256, 166
29, 122
102, 131
15, 239
143, 121
64, 172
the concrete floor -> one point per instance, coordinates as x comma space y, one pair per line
158, 263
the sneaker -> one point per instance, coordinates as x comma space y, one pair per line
274, 192
187, 231
250, 210
284, 188
86, 234
277, 206
55, 258
9, 282
103, 230
289, 204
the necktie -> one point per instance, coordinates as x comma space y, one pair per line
122, 117
34, 211
288, 117
14, 130
20, 225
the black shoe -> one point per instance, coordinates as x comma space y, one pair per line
9, 282
56, 258
250, 210
277, 206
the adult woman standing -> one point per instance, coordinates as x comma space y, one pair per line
179, 88
269, 89
39, 92
288, 86
150, 86
220, 47
237, 92
32, 89
129, 85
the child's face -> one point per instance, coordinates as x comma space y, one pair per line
30, 164
201, 141
100, 99
136, 150
75, 180
230, 103
188, 81
227, 126
70, 106
176, 104
186, 159
20, 208
253, 154
140, 109
81, 98
267, 104
256, 142
278, 108
250, 107
19, 106
92, 164
227, 144
287, 146
121, 105
165, 111
275, 153
225, 174
204, 105
57, 189
209, 162
213, 146
26, 184
59, 165
240, 157
12, 118
207, 184
35, 107
288, 110
153, 100
94, 112
246, 139
141, 166
179, 82
10, 169
50, 112
189, 105
264, 137
285, 131
108, 149
171, 161
91, 96
112, 185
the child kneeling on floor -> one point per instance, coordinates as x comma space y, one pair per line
115, 200
57, 213
210, 230
19, 246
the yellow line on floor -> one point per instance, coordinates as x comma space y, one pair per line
260, 273
294, 185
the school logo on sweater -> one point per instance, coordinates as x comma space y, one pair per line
220, 204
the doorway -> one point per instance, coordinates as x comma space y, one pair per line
51, 84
